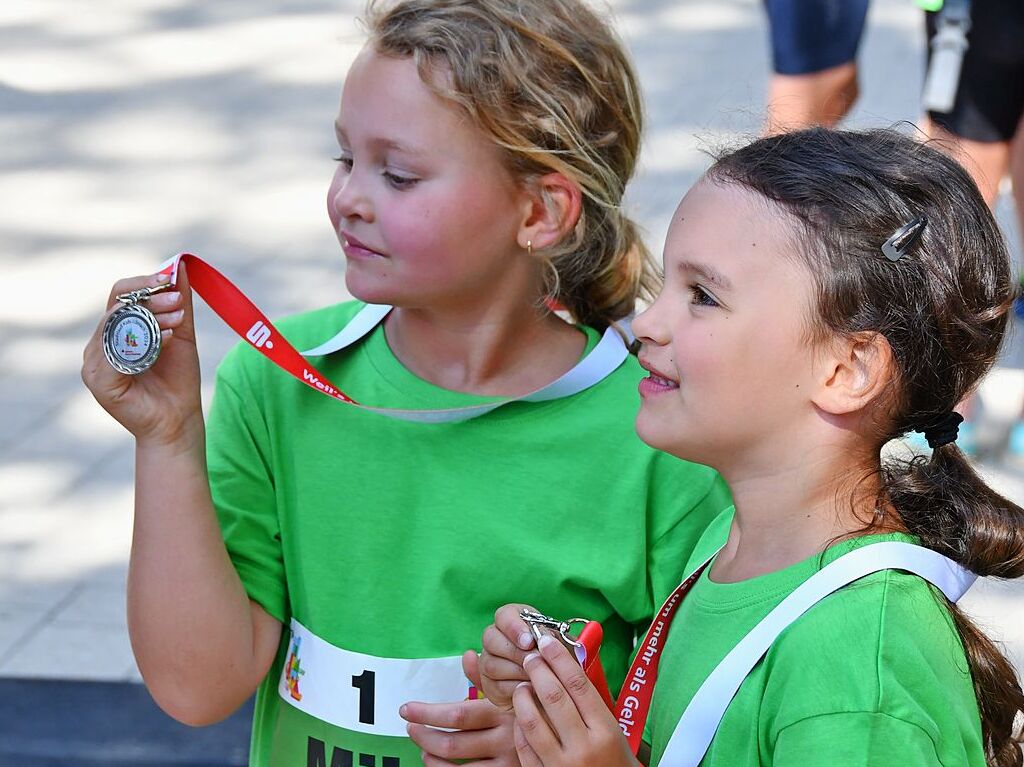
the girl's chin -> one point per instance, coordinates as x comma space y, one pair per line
659, 434
662, 435
370, 291
375, 288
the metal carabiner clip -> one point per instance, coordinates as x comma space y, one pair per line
536, 621
586, 648
133, 297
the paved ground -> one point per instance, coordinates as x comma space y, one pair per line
137, 128
62, 723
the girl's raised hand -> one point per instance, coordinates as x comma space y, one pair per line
561, 720
505, 645
162, 405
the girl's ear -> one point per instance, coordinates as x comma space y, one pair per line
853, 372
551, 209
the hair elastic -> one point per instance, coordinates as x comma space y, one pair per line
896, 246
942, 430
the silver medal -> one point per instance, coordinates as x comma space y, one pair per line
131, 335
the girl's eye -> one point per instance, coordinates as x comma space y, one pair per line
345, 161
701, 297
399, 182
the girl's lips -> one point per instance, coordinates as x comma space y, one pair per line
355, 249
655, 384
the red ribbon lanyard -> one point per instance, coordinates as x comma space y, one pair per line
590, 638
242, 316
634, 703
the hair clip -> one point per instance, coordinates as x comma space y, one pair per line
896, 246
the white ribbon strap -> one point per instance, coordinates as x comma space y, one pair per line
602, 360
699, 722
366, 319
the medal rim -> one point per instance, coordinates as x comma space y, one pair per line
146, 360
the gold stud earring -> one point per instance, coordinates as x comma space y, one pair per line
529, 247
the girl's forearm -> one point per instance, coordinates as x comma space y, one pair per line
201, 645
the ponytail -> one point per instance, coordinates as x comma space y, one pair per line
950, 509
600, 279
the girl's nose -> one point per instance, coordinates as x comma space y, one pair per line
647, 328
348, 197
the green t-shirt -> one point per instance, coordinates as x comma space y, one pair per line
874, 674
399, 540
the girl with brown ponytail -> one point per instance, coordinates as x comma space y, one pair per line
825, 293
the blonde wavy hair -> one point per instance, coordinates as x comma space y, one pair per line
549, 82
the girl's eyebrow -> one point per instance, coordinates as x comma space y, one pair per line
709, 273
381, 143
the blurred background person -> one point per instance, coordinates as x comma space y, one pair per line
814, 49
973, 101
980, 122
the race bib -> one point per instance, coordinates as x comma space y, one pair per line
361, 692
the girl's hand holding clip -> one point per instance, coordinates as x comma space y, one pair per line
505, 645
561, 719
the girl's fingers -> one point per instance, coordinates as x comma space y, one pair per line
572, 679
184, 287
471, 667
170, 319
500, 675
464, 744
134, 283
527, 756
535, 728
500, 669
554, 699
514, 628
500, 693
460, 715
165, 302
172, 308
496, 644
429, 760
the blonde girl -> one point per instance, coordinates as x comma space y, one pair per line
338, 561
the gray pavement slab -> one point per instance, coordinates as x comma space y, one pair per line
108, 724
